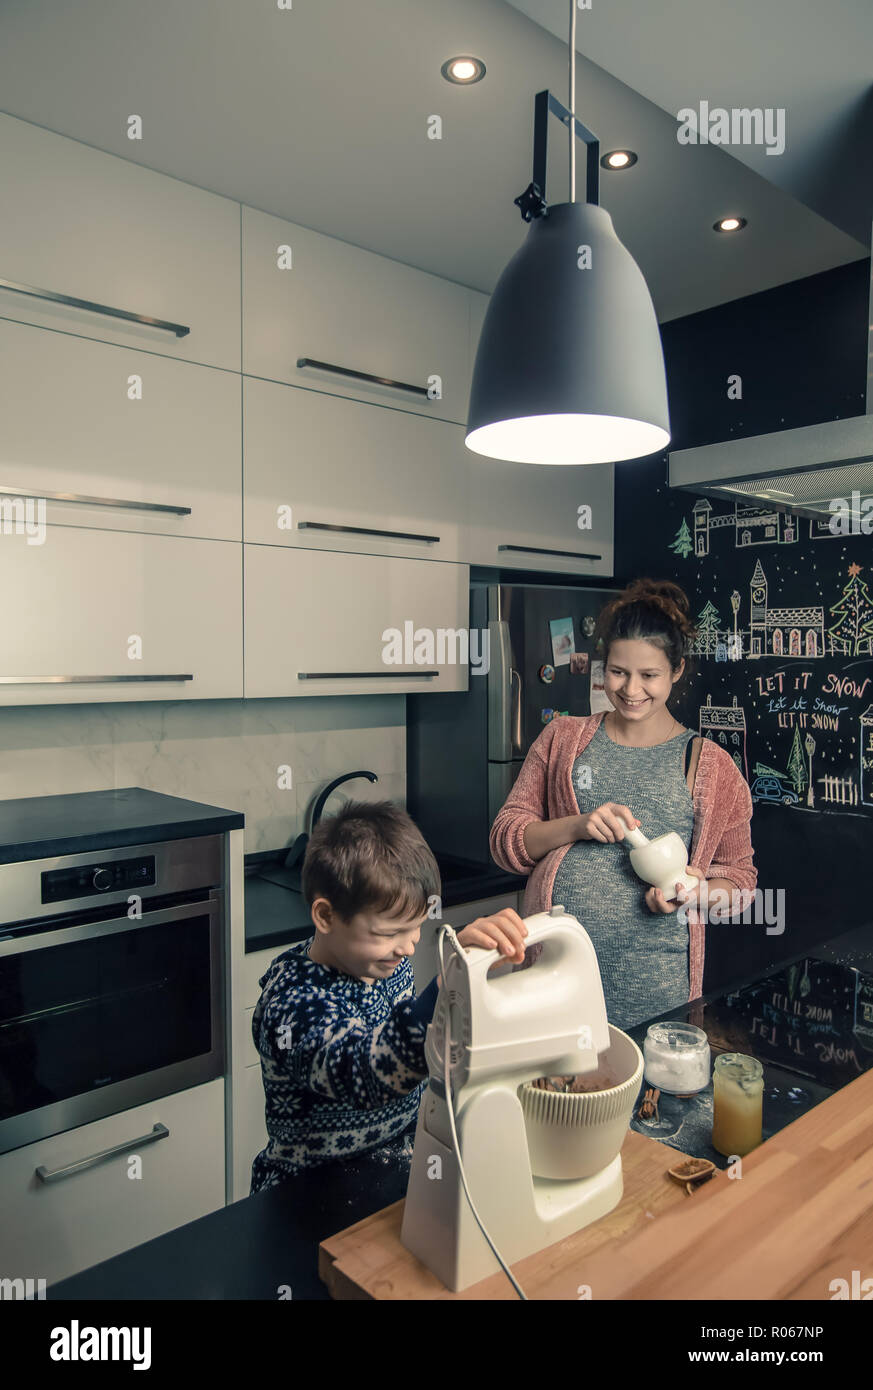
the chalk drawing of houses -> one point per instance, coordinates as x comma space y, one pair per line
751, 526
726, 725
794, 631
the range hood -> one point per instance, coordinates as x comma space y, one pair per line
798, 471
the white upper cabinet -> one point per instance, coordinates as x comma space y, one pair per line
358, 314
317, 623
87, 225
138, 442
324, 472
149, 617
527, 516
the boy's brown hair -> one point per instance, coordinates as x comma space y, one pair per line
370, 857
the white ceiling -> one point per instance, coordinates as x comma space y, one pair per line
812, 58
319, 114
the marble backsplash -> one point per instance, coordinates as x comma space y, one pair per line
226, 752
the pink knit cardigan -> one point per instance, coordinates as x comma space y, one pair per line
721, 845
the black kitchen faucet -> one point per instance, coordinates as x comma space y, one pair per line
294, 857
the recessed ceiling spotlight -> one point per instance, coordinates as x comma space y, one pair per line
618, 159
463, 71
729, 224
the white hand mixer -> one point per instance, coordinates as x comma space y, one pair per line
510, 1026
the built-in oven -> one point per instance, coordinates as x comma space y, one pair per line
111, 982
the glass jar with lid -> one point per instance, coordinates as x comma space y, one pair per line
677, 1058
737, 1102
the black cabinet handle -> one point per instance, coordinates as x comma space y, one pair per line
365, 675
85, 501
86, 680
366, 531
55, 298
535, 550
365, 376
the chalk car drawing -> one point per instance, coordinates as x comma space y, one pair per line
771, 789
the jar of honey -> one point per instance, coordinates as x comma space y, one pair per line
737, 1099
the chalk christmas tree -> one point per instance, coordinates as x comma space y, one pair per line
797, 763
853, 630
707, 630
683, 544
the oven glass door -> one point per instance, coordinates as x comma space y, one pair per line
108, 1008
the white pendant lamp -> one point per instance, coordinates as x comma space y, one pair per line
569, 368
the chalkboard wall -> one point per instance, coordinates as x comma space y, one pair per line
797, 722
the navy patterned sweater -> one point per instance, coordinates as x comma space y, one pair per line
342, 1061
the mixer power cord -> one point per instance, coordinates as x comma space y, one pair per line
446, 931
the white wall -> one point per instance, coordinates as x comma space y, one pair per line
225, 752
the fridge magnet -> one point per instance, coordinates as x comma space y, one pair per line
599, 699
587, 626
547, 715
547, 674
579, 664
563, 642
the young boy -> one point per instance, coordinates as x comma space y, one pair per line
338, 1026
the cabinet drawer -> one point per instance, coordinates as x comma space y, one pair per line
69, 426
83, 595
325, 472
53, 1229
526, 517
317, 622
88, 225
351, 309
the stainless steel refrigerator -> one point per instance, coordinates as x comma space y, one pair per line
465, 750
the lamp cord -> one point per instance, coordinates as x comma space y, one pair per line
572, 101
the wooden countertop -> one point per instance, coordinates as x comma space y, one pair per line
800, 1216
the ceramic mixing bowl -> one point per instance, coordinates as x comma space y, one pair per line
576, 1136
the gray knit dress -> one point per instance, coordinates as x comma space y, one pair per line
643, 955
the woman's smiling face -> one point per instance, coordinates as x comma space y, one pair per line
638, 680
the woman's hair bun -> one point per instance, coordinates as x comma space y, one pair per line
656, 590
651, 610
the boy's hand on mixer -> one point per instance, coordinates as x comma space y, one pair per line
505, 930
685, 897
607, 823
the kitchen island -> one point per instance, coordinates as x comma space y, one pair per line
809, 1021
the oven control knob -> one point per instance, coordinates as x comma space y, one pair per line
102, 880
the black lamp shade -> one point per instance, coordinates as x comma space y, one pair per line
569, 368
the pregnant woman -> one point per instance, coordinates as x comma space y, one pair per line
585, 781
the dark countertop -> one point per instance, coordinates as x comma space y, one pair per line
43, 827
810, 1024
824, 1033
276, 915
